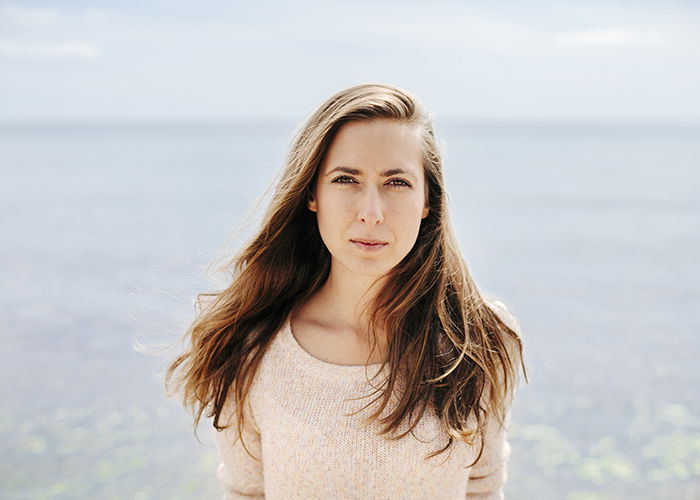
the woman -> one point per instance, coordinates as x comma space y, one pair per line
354, 287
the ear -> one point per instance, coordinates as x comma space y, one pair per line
311, 203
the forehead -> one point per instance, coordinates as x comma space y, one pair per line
376, 145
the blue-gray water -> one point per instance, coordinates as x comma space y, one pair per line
589, 232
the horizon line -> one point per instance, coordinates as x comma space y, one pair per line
287, 119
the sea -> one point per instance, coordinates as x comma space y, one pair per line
590, 232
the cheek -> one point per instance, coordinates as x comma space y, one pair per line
333, 207
409, 213
331, 219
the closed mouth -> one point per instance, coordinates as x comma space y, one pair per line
370, 242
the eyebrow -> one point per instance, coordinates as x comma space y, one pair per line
356, 171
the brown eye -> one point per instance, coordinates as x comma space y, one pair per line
399, 183
343, 179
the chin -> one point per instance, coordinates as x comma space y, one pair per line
369, 269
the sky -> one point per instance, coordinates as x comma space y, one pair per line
586, 60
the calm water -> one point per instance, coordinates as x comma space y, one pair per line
590, 233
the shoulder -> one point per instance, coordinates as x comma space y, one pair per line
512, 342
205, 301
504, 314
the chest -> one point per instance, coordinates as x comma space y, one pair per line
338, 349
313, 448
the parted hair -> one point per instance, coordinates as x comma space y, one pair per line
456, 351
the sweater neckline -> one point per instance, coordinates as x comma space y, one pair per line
324, 369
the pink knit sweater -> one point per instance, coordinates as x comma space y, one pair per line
309, 448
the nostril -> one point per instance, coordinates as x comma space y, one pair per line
372, 220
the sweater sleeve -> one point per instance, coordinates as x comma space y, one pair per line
488, 475
240, 476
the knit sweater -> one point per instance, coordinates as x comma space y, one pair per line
298, 425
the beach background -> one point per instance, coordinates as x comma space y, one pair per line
586, 225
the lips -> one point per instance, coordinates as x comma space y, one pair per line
369, 242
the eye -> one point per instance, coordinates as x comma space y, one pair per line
343, 179
399, 183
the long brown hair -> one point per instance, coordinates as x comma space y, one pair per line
456, 353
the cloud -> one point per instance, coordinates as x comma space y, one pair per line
464, 59
68, 49
32, 30
607, 38
17, 16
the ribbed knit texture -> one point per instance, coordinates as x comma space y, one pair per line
310, 449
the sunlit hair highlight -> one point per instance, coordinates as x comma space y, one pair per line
450, 349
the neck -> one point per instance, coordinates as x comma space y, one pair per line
349, 296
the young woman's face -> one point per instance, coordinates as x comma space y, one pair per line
371, 195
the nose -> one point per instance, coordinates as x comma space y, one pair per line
370, 210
